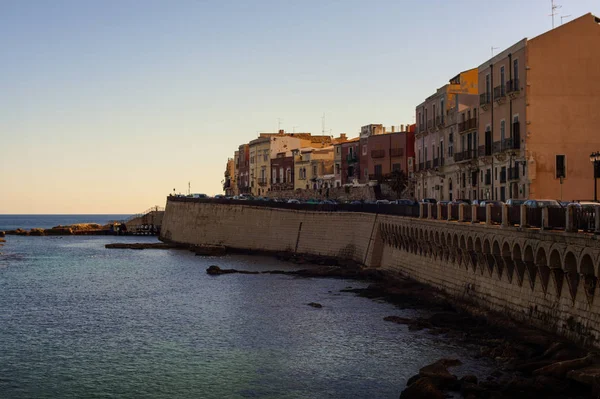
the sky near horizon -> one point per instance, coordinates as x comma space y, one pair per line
106, 106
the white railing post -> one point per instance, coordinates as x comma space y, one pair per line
505, 216
545, 221
488, 213
523, 218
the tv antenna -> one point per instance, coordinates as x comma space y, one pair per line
279, 120
294, 129
563, 17
189, 188
492, 49
323, 124
554, 7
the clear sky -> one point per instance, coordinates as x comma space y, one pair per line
106, 106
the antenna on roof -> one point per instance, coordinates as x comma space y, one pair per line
562, 17
323, 124
493, 48
279, 120
554, 7
294, 129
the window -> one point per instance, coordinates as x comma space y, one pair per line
364, 150
442, 109
561, 166
451, 143
314, 170
516, 70
337, 149
281, 176
487, 85
378, 171
266, 155
337, 168
274, 175
289, 175
396, 167
425, 154
502, 131
502, 76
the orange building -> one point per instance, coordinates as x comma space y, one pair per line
538, 116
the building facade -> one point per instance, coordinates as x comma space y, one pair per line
389, 152
282, 172
243, 168
350, 172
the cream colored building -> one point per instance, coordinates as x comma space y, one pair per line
310, 164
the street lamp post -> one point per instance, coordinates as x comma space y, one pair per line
595, 160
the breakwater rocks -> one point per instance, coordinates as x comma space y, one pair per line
529, 363
74, 229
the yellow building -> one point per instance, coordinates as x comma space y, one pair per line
310, 164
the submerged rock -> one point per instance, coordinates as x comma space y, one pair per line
215, 270
315, 305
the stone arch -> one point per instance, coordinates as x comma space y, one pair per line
530, 265
472, 252
464, 255
586, 269
497, 253
556, 270
437, 237
489, 257
509, 264
571, 274
517, 258
541, 261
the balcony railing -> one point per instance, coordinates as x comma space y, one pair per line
496, 147
485, 98
377, 153
512, 86
439, 120
499, 92
396, 152
352, 158
262, 181
430, 124
467, 125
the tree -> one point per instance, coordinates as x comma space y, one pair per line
397, 180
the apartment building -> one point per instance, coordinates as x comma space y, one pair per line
350, 169
363, 159
394, 150
538, 115
282, 171
310, 164
243, 168
441, 142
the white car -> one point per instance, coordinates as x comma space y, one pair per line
293, 201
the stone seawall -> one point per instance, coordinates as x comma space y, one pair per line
542, 278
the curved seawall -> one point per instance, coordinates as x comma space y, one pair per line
545, 279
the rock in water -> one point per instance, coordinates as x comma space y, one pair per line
315, 305
2, 234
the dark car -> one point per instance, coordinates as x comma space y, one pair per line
429, 201
514, 202
405, 202
543, 203
460, 201
493, 203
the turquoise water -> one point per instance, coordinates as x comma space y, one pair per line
78, 320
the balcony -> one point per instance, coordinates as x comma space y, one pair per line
513, 173
458, 157
352, 158
467, 125
396, 152
512, 87
436, 162
439, 121
377, 153
496, 147
499, 93
262, 181
421, 128
484, 100
484, 150
466, 155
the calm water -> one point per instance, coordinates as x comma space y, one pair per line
78, 320
13, 222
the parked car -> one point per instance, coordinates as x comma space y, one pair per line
514, 202
443, 203
382, 202
293, 201
460, 201
543, 203
199, 196
429, 201
356, 203
493, 203
405, 202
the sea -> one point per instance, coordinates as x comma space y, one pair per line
81, 321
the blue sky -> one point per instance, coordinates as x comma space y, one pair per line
106, 106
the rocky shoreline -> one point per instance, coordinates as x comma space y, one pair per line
529, 363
